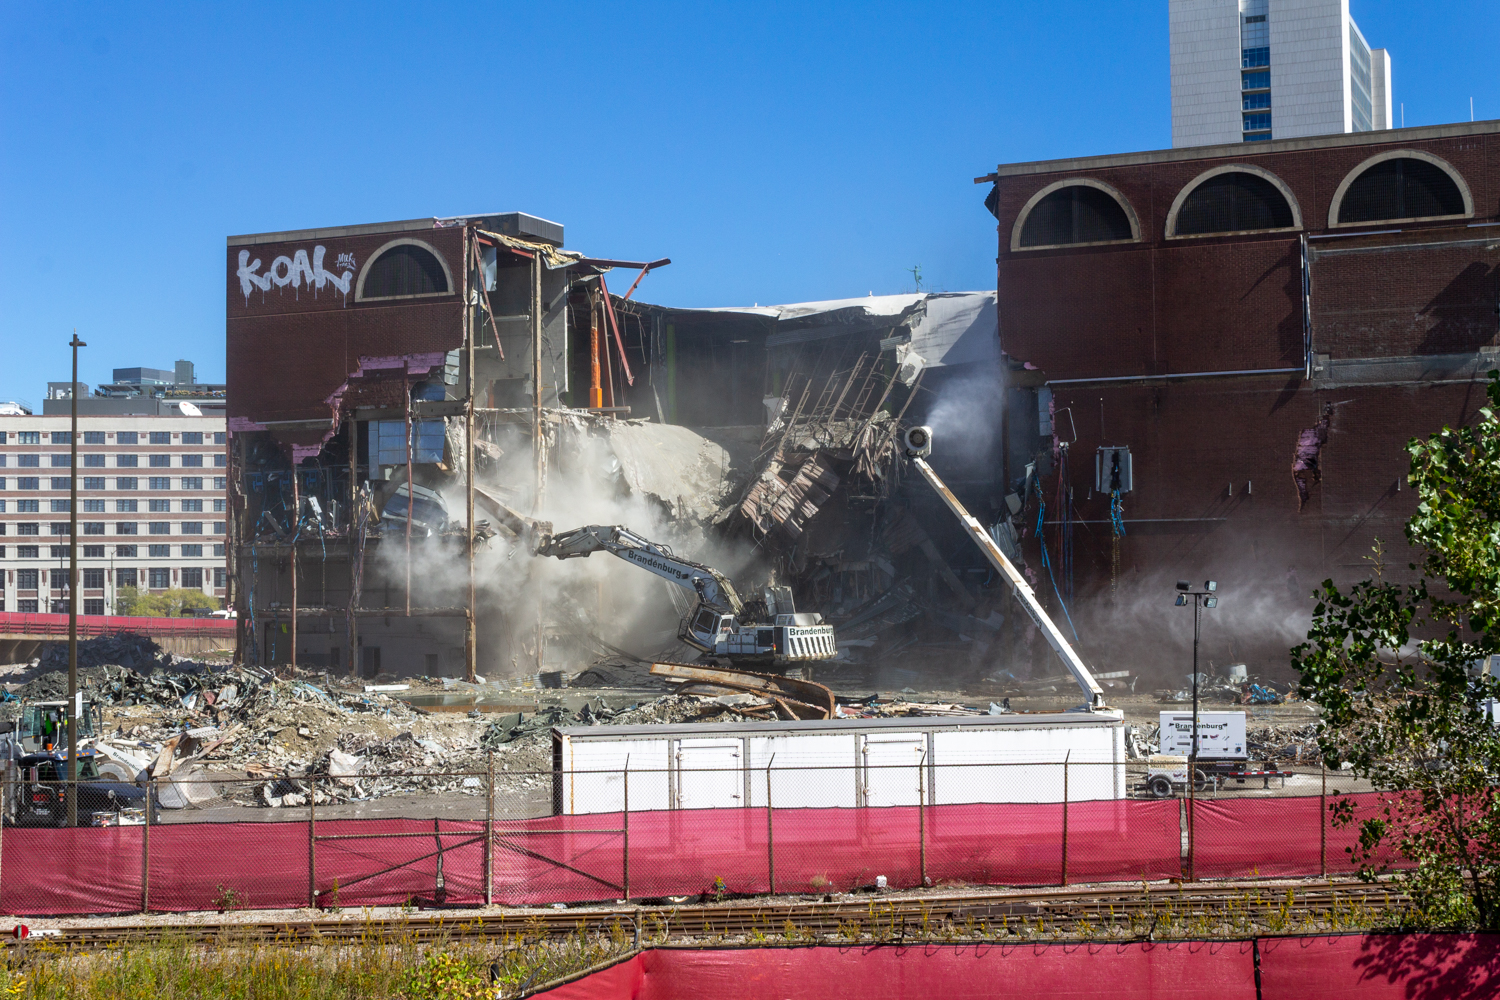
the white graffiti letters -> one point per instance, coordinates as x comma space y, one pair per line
296, 270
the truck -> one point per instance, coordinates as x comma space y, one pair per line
1223, 755
768, 630
36, 793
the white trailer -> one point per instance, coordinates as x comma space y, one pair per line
846, 763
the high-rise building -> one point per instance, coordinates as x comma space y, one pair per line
1252, 70
152, 495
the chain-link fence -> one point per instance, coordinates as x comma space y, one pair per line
467, 839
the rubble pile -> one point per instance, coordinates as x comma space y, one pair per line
1287, 744
137, 652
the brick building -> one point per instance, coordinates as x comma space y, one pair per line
1225, 313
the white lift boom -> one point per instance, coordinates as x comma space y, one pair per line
918, 446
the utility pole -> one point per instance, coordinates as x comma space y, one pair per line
74, 702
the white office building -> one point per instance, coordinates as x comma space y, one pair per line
152, 507
1253, 70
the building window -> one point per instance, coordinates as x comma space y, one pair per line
126, 577
158, 578
93, 605
220, 526
126, 506
61, 528
62, 506
62, 461
93, 552
1400, 188
126, 437
125, 527
93, 461
28, 528
404, 269
1253, 58
62, 437
1259, 121
219, 503
93, 527
158, 506
127, 461
218, 550
2, 482
192, 437
93, 482
27, 552
160, 483
62, 482
59, 579
220, 483
159, 551
28, 461
125, 551
192, 551
1254, 101
127, 483
160, 461
93, 437
1258, 80
161, 437
192, 482
93, 506
93, 579
28, 506
192, 527
219, 437
159, 527
26, 607
1074, 213
220, 575
1235, 201
193, 505
192, 461
192, 577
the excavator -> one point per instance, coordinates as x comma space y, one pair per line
765, 631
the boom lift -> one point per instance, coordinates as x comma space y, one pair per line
918, 447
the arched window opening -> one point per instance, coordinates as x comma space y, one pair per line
1075, 214
1401, 188
1233, 203
404, 269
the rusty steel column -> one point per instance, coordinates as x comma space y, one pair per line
471, 627
411, 495
296, 530
350, 540
596, 387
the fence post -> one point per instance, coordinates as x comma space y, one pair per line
625, 829
312, 841
922, 817
489, 836
146, 847
1192, 872
770, 832
1323, 823
1066, 758
4, 815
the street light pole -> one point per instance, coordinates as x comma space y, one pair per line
1205, 598
73, 701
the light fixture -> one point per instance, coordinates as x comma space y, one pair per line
1181, 600
1184, 585
1210, 602
1211, 585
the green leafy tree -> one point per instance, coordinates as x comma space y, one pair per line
1397, 670
160, 604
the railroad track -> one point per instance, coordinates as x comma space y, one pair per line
873, 917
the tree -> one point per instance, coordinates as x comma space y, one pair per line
1398, 670
162, 604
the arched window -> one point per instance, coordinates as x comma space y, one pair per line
1074, 212
401, 269
1399, 187
1232, 201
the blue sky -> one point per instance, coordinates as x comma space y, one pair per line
775, 151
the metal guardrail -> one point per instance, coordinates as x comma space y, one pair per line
22, 623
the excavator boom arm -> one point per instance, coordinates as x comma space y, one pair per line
708, 583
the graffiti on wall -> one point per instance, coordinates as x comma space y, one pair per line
296, 270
